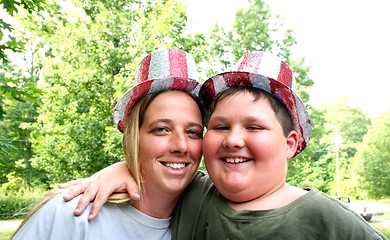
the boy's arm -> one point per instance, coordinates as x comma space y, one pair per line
98, 187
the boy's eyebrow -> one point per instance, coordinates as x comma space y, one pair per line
248, 118
217, 117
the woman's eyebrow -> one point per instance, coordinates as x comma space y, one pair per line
170, 121
161, 120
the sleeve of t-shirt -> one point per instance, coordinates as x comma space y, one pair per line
55, 220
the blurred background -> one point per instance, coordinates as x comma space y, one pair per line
64, 64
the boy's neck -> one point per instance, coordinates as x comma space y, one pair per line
281, 197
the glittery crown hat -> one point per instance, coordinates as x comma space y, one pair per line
265, 71
164, 69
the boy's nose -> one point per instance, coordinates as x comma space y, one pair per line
234, 139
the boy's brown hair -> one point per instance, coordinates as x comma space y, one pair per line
280, 110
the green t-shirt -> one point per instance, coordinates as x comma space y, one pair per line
204, 214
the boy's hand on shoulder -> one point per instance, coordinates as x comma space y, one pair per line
97, 188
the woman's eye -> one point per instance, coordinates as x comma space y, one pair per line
195, 134
159, 130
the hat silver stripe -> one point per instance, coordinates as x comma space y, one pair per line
159, 65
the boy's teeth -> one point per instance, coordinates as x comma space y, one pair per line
235, 160
175, 165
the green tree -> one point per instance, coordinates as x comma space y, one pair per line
19, 104
89, 59
351, 123
309, 169
12, 88
252, 31
373, 159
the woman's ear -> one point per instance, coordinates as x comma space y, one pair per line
291, 144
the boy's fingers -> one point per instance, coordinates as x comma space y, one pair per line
70, 183
73, 192
97, 204
77, 190
132, 189
135, 196
104, 193
86, 198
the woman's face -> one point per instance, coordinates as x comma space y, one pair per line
170, 141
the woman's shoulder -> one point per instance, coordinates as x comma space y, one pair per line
49, 217
54, 206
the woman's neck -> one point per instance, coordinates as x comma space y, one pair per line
157, 205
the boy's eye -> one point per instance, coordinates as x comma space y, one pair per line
254, 128
221, 128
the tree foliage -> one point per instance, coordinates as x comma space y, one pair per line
373, 159
18, 102
88, 57
351, 123
13, 84
12, 7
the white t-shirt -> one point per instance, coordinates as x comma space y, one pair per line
55, 220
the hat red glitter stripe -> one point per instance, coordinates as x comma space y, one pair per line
140, 91
285, 75
289, 102
231, 80
248, 62
143, 71
178, 63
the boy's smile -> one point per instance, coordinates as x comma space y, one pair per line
236, 160
245, 149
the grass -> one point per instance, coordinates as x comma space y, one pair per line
5, 234
383, 229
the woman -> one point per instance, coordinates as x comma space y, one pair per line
162, 124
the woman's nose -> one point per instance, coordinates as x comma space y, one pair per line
179, 143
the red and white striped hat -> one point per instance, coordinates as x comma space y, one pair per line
265, 71
164, 69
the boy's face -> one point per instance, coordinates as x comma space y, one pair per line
245, 150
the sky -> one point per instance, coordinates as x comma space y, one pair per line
346, 43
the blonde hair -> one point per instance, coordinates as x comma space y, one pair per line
130, 144
130, 141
